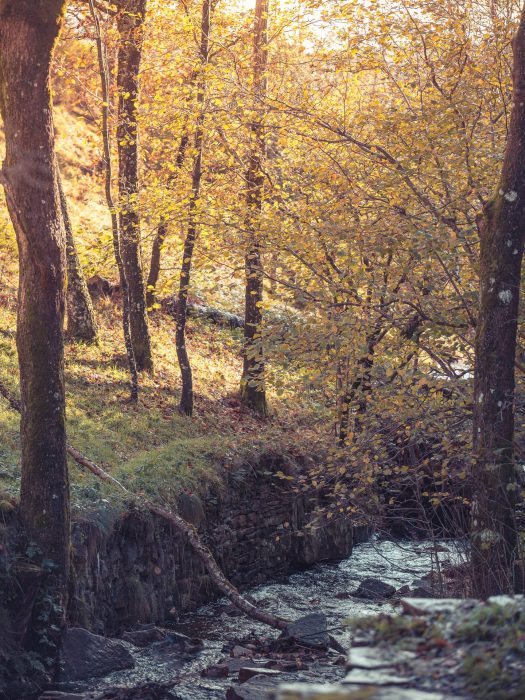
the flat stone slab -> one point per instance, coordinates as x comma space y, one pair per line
371, 658
434, 606
248, 672
361, 676
506, 599
303, 691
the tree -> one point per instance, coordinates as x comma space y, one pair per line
108, 188
186, 400
81, 323
495, 480
130, 24
253, 391
28, 33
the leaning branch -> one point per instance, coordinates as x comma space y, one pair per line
188, 531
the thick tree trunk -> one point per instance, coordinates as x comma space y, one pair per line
253, 391
108, 187
81, 323
130, 23
28, 32
494, 535
186, 399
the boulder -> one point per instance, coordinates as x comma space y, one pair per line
310, 630
374, 589
85, 655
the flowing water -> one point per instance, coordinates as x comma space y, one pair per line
324, 587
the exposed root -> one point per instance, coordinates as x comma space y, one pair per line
187, 530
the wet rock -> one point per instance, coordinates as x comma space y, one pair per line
248, 672
216, 671
310, 631
228, 667
239, 652
144, 637
176, 642
287, 666
85, 655
374, 589
404, 590
147, 691
421, 592
254, 689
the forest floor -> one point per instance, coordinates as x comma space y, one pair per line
151, 447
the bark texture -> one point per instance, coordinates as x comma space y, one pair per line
81, 322
130, 24
186, 399
28, 33
108, 187
162, 228
253, 392
494, 534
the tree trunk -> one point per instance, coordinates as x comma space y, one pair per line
186, 399
253, 391
108, 182
154, 269
162, 229
495, 481
28, 32
130, 24
81, 323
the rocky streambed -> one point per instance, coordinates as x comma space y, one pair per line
214, 653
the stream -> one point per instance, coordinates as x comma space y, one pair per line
324, 587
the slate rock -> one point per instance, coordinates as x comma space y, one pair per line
429, 606
85, 655
216, 671
174, 642
254, 689
239, 652
371, 658
310, 630
248, 672
360, 676
374, 589
303, 691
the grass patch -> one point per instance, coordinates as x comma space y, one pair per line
150, 447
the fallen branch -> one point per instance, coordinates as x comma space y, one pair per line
188, 531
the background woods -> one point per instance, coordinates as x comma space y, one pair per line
289, 225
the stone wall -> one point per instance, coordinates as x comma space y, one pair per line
133, 567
